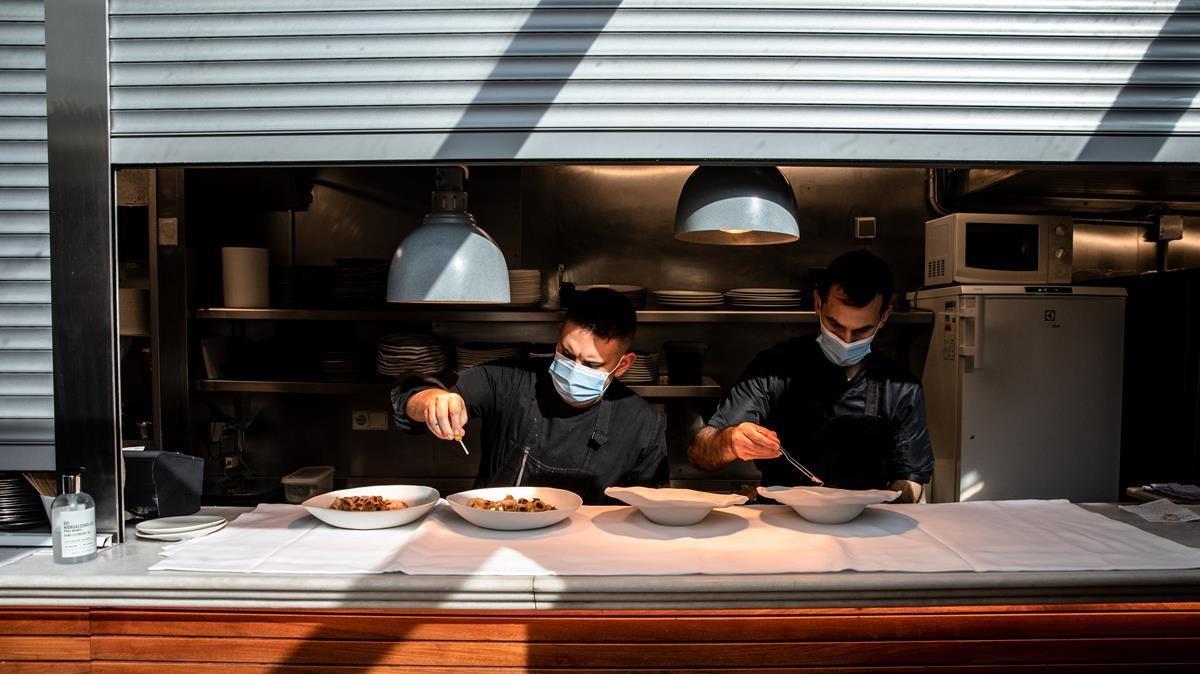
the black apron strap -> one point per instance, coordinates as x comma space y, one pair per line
603, 416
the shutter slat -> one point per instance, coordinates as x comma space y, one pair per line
22, 82
26, 385
24, 292
27, 361
23, 175
880, 94
25, 269
22, 10
24, 222
25, 338
22, 152
28, 430
25, 315
25, 198
27, 407
22, 105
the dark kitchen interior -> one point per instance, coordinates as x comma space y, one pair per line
550, 215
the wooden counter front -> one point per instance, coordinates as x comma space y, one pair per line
1160, 637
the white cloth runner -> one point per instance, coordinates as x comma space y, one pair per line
278, 538
984, 536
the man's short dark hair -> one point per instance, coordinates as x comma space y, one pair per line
605, 313
862, 275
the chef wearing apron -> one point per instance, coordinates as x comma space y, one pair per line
562, 422
854, 418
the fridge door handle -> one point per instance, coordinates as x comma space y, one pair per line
970, 327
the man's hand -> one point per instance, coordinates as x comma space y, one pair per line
910, 492
444, 413
748, 442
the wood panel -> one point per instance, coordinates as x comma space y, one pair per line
44, 640
652, 627
202, 668
665, 654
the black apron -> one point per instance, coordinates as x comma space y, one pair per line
847, 451
521, 466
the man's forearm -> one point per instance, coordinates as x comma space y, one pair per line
707, 451
910, 492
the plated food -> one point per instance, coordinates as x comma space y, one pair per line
673, 507
557, 505
826, 505
512, 504
377, 507
372, 503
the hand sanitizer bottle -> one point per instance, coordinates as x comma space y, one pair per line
73, 522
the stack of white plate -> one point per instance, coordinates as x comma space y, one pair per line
403, 354
635, 294
180, 528
644, 369
478, 353
689, 298
20, 507
765, 298
525, 287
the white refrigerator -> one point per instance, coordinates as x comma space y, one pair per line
1023, 391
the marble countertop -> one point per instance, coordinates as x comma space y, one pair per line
120, 577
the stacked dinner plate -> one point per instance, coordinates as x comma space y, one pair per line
542, 350
404, 354
360, 280
644, 369
635, 294
478, 353
765, 298
181, 528
341, 366
525, 287
689, 299
20, 506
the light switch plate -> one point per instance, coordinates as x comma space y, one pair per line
168, 231
864, 227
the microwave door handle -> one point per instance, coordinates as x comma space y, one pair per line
970, 326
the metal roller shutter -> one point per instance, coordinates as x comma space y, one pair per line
787, 80
26, 382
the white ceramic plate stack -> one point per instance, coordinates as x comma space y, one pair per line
689, 299
644, 369
524, 287
180, 528
826, 505
674, 507
420, 500
765, 298
635, 294
402, 354
478, 353
20, 507
564, 503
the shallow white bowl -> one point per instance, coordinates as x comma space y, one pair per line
420, 500
673, 507
564, 502
825, 505
675, 516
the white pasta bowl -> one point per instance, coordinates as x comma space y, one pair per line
420, 500
826, 505
564, 503
674, 507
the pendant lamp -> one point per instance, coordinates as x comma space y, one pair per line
736, 206
448, 259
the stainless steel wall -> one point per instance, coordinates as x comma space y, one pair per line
198, 81
605, 223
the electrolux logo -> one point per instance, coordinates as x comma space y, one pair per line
1051, 315
1050, 319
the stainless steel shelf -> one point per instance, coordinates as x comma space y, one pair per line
910, 317
708, 388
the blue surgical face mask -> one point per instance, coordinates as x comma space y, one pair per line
838, 352
578, 384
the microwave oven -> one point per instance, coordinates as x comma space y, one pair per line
988, 248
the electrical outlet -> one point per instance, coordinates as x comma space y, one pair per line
368, 421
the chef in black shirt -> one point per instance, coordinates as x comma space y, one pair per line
856, 419
564, 422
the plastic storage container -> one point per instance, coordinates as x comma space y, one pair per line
307, 482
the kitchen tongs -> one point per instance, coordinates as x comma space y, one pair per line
800, 467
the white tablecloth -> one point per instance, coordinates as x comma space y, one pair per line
984, 536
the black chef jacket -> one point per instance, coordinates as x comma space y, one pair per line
857, 434
531, 435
